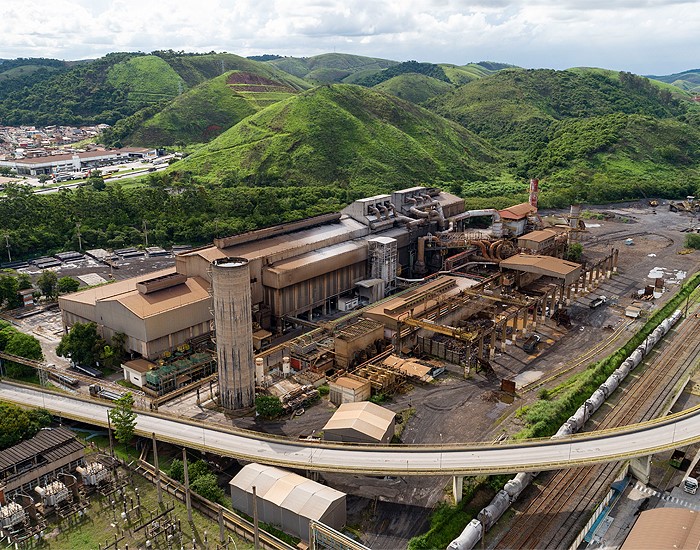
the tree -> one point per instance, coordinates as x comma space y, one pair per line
22, 345
48, 284
67, 284
24, 281
207, 486
197, 469
16, 424
97, 182
123, 418
575, 252
43, 178
9, 286
82, 345
177, 470
268, 406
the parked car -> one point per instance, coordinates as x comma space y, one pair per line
530, 344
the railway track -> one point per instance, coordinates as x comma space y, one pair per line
556, 514
585, 357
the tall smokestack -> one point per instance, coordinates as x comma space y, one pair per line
233, 322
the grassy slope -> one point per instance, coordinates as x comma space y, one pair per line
330, 67
195, 69
147, 79
413, 87
202, 113
466, 73
342, 134
687, 80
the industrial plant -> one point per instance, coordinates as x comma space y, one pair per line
412, 272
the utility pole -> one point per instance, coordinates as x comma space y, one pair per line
80, 241
7, 242
145, 231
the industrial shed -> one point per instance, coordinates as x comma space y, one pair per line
362, 422
665, 528
543, 266
157, 312
287, 500
37, 460
349, 389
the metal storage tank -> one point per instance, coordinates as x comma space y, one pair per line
233, 325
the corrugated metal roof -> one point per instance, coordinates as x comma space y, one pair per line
92, 295
345, 382
539, 236
287, 490
364, 417
517, 211
194, 289
53, 444
545, 263
677, 528
140, 365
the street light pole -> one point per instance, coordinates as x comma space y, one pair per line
7, 244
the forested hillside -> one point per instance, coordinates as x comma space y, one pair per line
113, 87
516, 107
343, 135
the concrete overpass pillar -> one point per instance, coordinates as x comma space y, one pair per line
615, 253
492, 345
313, 475
640, 468
504, 335
457, 488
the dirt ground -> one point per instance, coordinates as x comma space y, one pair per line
389, 511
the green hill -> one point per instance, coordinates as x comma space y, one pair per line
202, 113
461, 74
413, 87
197, 68
146, 79
617, 156
453, 74
687, 80
516, 107
330, 67
342, 135
113, 87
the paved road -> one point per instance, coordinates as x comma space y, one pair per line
468, 459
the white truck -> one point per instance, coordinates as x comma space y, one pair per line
690, 485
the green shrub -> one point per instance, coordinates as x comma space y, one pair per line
692, 240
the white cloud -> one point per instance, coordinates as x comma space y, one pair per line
643, 36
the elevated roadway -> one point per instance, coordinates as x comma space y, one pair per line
632, 441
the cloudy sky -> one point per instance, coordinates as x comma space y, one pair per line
641, 36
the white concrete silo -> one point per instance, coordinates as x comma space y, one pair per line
233, 325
